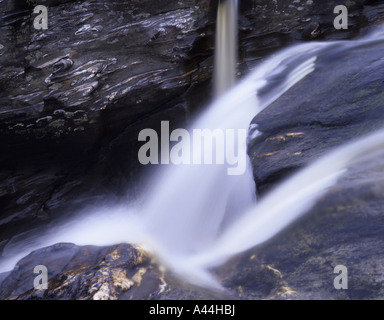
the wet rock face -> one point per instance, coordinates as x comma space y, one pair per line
344, 229
95, 57
74, 97
340, 101
85, 273
103, 58
266, 26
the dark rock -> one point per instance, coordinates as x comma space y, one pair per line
340, 101
344, 228
74, 97
85, 273
266, 26
119, 272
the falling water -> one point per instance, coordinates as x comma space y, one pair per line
287, 202
197, 216
189, 206
226, 46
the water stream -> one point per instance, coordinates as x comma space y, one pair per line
225, 47
195, 217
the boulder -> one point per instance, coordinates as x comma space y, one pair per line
341, 101
344, 229
84, 273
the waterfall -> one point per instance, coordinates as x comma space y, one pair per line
195, 216
225, 47
185, 216
287, 203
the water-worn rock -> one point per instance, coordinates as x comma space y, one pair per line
339, 102
74, 97
119, 272
266, 26
85, 273
342, 100
344, 228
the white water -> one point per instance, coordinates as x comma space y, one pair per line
196, 217
189, 206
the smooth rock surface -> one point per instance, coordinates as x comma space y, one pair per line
344, 228
341, 101
85, 273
